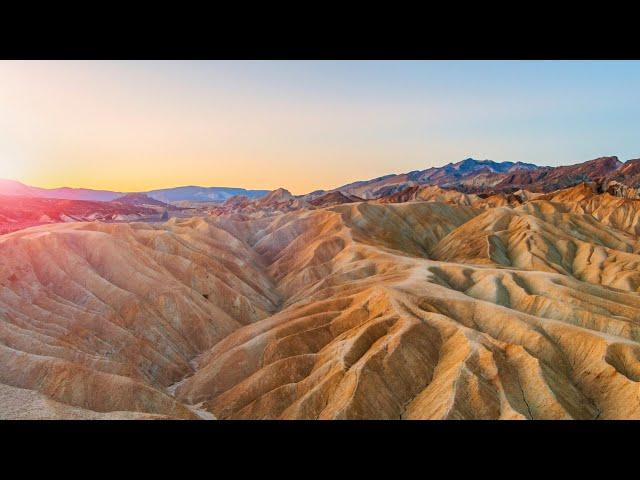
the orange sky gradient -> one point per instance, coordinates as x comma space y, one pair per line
106, 125
135, 126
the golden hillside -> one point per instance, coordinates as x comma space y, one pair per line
416, 310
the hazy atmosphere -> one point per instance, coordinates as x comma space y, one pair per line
132, 126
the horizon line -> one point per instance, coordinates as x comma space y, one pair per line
108, 190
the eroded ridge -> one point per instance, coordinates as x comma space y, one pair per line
415, 310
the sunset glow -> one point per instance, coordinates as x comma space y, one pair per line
302, 125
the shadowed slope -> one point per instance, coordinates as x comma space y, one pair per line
105, 317
547, 236
389, 333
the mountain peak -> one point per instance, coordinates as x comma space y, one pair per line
139, 199
278, 195
13, 187
469, 165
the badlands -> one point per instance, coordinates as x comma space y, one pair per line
426, 304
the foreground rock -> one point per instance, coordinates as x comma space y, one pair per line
416, 310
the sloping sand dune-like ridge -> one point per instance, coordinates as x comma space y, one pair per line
417, 310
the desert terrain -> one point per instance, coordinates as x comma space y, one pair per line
473, 292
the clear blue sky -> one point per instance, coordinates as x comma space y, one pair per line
303, 125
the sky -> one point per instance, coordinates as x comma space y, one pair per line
303, 125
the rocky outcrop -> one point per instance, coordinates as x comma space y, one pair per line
334, 198
430, 194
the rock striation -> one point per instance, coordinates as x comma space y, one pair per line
441, 306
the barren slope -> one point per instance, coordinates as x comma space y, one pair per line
106, 316
361, 310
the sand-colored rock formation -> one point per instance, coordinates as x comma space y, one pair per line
417, 338
106, 316
431, 193
414, 310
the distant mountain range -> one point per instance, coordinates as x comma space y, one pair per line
167, 195
487, 177
202, 194
467, 176
15, 188
451, 173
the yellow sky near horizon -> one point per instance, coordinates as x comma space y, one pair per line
131, 130
142, 125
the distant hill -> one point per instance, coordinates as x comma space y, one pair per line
166, 195
12, 187
334, 198
141, 199
445, 176
202, 194
547, 179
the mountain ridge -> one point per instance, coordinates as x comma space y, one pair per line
468, 176
166, 195
487, 177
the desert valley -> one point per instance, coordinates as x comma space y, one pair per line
477, 290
